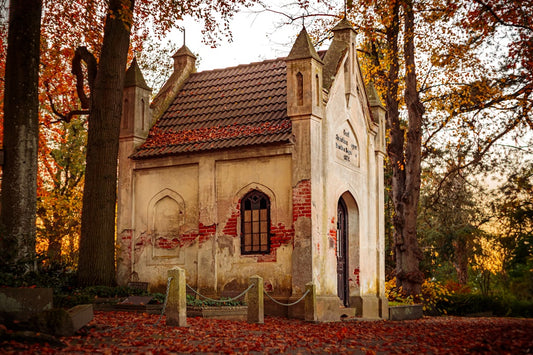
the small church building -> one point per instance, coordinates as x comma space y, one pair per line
272, 168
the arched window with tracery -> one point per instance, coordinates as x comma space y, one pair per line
255, 223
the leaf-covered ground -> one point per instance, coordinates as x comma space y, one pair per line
123, 332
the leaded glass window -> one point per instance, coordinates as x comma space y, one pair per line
255, 223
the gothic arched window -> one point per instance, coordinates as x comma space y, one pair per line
255, 223
300, 89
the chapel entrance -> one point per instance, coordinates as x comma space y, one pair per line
342, 252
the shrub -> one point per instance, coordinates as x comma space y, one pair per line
396, 295
58, 276
194, 302
478, 304
433, 293
456, 287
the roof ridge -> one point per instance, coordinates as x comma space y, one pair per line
279, 59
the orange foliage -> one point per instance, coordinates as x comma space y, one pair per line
67, 25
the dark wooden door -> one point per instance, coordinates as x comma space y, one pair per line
342, 252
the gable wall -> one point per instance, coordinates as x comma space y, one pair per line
350, 173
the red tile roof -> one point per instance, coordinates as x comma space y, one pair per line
224, 108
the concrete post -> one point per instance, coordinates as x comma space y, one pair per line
176, 310
256, 308
310, 302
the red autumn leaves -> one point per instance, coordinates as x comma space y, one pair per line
164, 137
122, 332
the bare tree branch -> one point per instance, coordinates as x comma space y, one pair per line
62, 117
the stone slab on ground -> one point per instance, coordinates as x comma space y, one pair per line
222, 312
21, 303
80, 315
406, 312
60, 322
137, 300
138, 304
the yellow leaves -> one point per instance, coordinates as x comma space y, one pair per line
491, 257
433, 292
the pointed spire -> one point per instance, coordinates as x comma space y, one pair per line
303, 48
134, 76
182, 57
343, 24
183, 51
373, 96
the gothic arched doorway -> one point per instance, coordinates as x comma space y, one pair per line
342, 252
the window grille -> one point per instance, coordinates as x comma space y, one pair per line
255, 223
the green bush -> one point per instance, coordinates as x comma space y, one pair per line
193, 301
158, 298
88, 294
58, 276
113, 292
477, 304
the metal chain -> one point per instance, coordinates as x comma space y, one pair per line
221, 301
165, 302
286, 304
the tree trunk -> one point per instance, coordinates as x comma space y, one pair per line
97, 243
460, 261
406, 168
21, 133
396, 136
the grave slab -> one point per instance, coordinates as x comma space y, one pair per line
21, 303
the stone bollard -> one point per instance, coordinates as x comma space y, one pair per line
310, 302
256, 308
176, 310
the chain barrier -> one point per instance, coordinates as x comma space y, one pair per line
286, 304
165, 302
221, 301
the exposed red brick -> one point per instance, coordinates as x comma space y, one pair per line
356, 275
231, 225
301, 200
332, 235
141, 242
187, 239
167, 242
206, 232
279, 235
125, 245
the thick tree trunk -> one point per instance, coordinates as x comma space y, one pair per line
460, 261
21, 133
405, 166
408, 253
396, 133
97, 244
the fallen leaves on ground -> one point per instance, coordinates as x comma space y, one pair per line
121, 332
